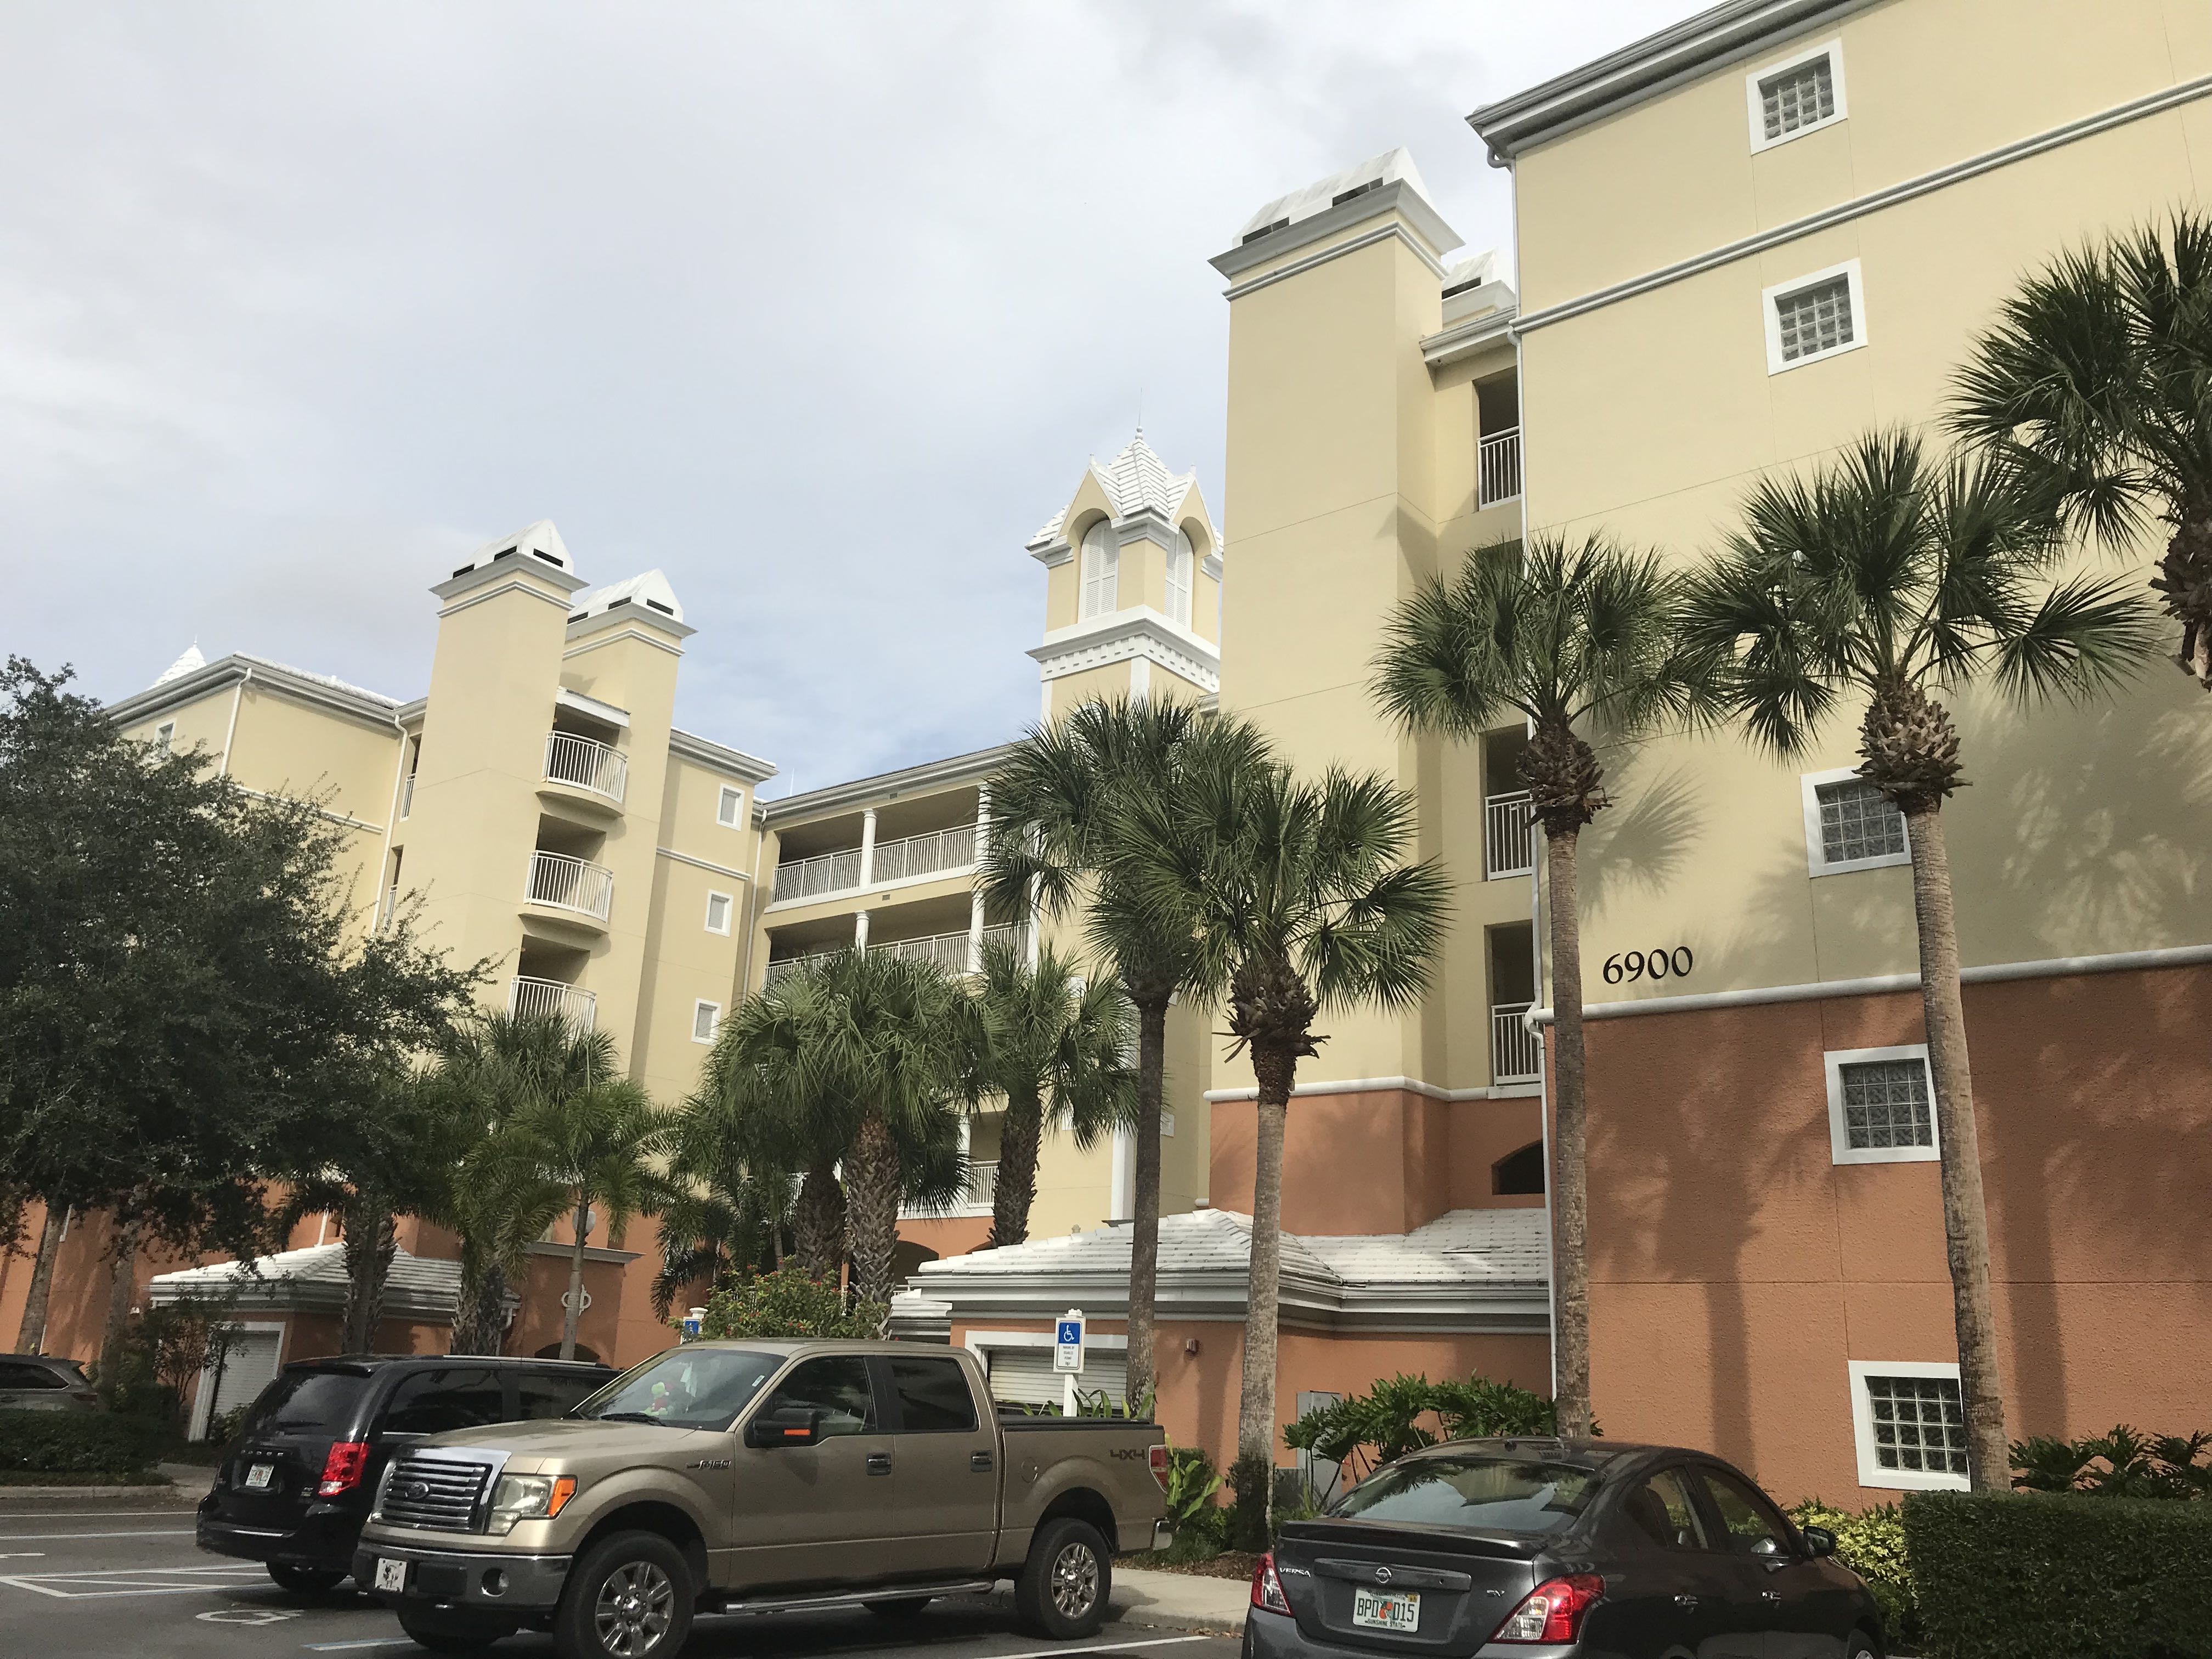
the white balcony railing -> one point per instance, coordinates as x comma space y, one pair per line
571, 883
527, 996
947, 950
407, 796
597, 767
1498, 464
1509, 837
982, 1192
893, 861
1516, 1052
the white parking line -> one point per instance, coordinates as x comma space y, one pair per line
341, 1647
127, 1581
7, 1514
54, 1537
1103, 1647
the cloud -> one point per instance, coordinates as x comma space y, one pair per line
819, 309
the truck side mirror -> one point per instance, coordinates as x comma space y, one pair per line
790, 1425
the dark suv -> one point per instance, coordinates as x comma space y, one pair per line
296, 1484
40, 1383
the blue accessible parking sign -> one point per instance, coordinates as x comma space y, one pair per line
1068, 1342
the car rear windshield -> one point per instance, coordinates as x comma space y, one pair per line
685, 1389
307, 1399
1473, 1494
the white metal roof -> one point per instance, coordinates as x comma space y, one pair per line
314, 1280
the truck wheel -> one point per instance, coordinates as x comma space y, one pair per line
443, 1630
629, 1596
1064, 1585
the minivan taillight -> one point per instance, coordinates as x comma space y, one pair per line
1552, 1612
343, 1468
1157, 1458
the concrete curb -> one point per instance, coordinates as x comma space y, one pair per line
1179, 1600
180, 1483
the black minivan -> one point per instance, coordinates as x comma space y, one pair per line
296, 1482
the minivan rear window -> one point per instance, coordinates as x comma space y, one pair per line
308, 1399
1474, 1494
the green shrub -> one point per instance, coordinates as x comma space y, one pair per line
2037, 1576
1871, 1543
79, 1443
788, 1303
1363, 1432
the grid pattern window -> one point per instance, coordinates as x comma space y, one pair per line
1886, 1104
1802, 96
731, 806
705, 1017
1182, 561
1815, 320
1919, 1425
718, 913
1858, 821
1102, 560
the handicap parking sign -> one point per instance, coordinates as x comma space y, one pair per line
1068, 1341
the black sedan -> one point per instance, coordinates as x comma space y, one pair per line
1557, 1549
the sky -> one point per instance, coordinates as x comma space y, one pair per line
818, 308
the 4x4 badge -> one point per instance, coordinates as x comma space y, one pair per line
709, 1463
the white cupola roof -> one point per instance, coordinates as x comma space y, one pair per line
1135, 481
540, 541
650, 590
190, 663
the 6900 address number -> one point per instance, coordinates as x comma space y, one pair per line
1661, 963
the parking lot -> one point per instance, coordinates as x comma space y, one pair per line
94, 1579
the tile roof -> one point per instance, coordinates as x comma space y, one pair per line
314, 1279
1134, 481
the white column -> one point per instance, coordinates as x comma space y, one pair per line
975, 898
860, 930
868, 846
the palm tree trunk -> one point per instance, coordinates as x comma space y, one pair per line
572, 1313
873, 1184
1145, 1227
1276, 1070
372, 1238
1020, 1133
33, 1331
818, 1222
478, 1318
119, 1289
1569, 1183
1966, 1221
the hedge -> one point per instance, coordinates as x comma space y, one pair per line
2032, 1576
79, 1443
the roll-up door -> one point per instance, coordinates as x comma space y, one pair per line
1025, 1374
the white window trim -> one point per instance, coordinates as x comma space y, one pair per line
1776, 363
1832, 50
1839, 1139
729, 905
712, 1029
1816, 862
730, 807
1871, 1472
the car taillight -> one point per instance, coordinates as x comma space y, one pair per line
1267, 1589
1552, 1612
1157, 1458
343, 1468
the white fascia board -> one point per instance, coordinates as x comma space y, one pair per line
606, 713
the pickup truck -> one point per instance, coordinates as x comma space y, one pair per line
758, 1476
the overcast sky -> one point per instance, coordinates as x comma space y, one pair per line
819, 307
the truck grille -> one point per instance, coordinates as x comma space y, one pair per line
437, 1493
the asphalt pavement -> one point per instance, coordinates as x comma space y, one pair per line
94, 1578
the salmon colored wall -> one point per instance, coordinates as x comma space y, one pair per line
1482, 1132
948, 1236
620, 1326
1736, 1269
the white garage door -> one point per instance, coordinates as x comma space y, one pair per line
249, 1367
1025, 1376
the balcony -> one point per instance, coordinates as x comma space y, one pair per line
1509, 836
597, 768
526, 996
1516, 1053
893, 861
947, 950
565, 883
1498, 467
982, 1194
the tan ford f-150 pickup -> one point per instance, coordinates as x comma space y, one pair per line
755, 1477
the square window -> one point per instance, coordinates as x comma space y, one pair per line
1909, 1420
1850, 825
1819, 315
1880, 1105
718, 913
705, 1016
731, 809
1800, 93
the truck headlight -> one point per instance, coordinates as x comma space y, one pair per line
528, 1497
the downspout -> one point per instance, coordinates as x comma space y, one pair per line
230, 735
753, 898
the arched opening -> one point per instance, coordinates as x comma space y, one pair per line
907, 1258
552, 1351
1519, 1174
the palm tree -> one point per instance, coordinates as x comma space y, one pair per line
1051, 1049
1053, 846
1881, 577
1300, 901
600, 1143
2092, 384
1578, 639
732, 1204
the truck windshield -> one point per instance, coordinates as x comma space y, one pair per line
1475, 1493
684, 1389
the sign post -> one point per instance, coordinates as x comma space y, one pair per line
1067, 1354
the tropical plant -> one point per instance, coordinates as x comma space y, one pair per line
2092, 384
788, 1303
1576, 638
1052, 1048
1191, 1483
1882, 576
1055, 843
1300, 901
2121, 1464
1362, 1432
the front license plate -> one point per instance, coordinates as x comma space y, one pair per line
1374, 1610
390, 1574
259, 1476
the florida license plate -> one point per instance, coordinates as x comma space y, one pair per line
390, 1575
1375, 1610
258, 1477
